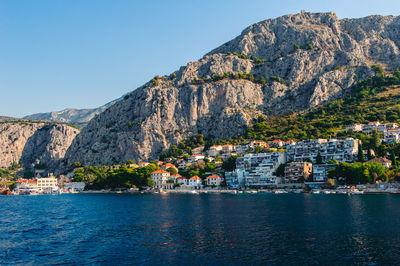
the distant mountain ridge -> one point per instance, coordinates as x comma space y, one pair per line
78, 117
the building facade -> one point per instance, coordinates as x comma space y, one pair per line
298, 172
47, 183
341, 150
320, 171
195, 182
214, 180
257, 170
160, 179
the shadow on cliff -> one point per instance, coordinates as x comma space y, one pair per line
35, 148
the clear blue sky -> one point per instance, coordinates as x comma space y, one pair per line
56, 54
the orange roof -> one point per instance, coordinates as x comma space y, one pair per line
194, 155
195, 178
227, 145
277, 140
168, 165
182, 177
160, 172
26, 181
176, 175
370, 123
179, 160
213, 176
143, 163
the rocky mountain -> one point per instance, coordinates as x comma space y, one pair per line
291, 63
6, 118
32, 143
78, 117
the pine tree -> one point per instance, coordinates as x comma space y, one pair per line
319, 158
360, 156
394, 161
375, 141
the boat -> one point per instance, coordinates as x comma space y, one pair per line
356, 192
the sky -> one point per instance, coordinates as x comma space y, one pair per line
57, 54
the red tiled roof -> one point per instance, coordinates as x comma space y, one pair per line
195, 178
277, 140
168, 165
213, 176
160, 172
26, 181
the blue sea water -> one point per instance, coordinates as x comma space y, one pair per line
210, 229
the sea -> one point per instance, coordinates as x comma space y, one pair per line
200, 229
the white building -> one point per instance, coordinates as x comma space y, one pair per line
278, 143
74, 186
258, 169
195, 182
320, 171
392, 135
195, 158
160, 178
182, 180
215, 151
47, 184
214, 180
356, 127
26, 186
367, 129
341, 150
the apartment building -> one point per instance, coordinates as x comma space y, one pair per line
320, 171
341, 150
257, 170
298, 172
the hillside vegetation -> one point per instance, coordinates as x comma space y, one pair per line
373, 99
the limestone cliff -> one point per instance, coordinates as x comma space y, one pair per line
306, 59
31, 143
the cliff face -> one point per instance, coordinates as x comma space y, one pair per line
31, 143
308, 58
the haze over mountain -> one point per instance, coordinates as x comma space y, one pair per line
276, 66
78, 117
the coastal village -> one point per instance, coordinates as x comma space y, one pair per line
275, 166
